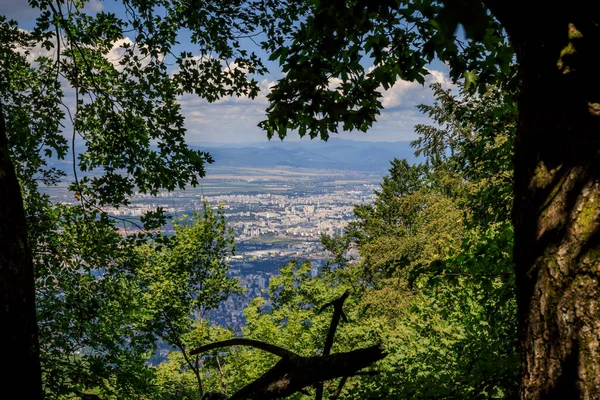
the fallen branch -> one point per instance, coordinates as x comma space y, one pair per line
289, 376
294, 372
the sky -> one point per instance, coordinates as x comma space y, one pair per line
235, 119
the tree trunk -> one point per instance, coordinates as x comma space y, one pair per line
20, 372
557, 201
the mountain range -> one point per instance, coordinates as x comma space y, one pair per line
336, 154
341, 154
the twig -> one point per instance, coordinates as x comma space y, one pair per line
278, 351
338, 391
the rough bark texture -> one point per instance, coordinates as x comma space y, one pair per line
20, 372
557, 199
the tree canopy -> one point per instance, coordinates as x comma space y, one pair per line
119, 125
337, 57
545, 54
433, 281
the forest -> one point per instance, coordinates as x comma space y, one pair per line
477, 268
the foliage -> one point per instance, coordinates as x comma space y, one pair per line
473, 137
186, 276
327, 57
290, 320
434, 279
104, 299
117, 122
410, 222
457, 332
177, 380
125, 110
187, 273
87, 305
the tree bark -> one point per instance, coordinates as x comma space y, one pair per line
20, 373
290, 375
557, 200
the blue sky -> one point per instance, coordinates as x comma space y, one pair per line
234, 119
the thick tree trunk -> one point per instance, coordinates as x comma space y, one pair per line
20, 372
557, 202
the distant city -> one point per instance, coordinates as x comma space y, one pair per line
278, 214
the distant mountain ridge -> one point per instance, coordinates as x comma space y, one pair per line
338, 154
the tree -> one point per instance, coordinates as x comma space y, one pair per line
111, 298
126, 135
321, 47
429, 246
443, 308
187, 277
18, 311
555, 208
473, 139
17, 315
296, 327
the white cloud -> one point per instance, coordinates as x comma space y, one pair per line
120, 47
93, 6
234, 119
118, 50
410, 94
228, 120
33, 53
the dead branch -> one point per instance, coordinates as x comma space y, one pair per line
289, 376
294, 372
270, 348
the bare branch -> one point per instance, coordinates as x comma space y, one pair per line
289, 376
338, 391
338, 312
278, 351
